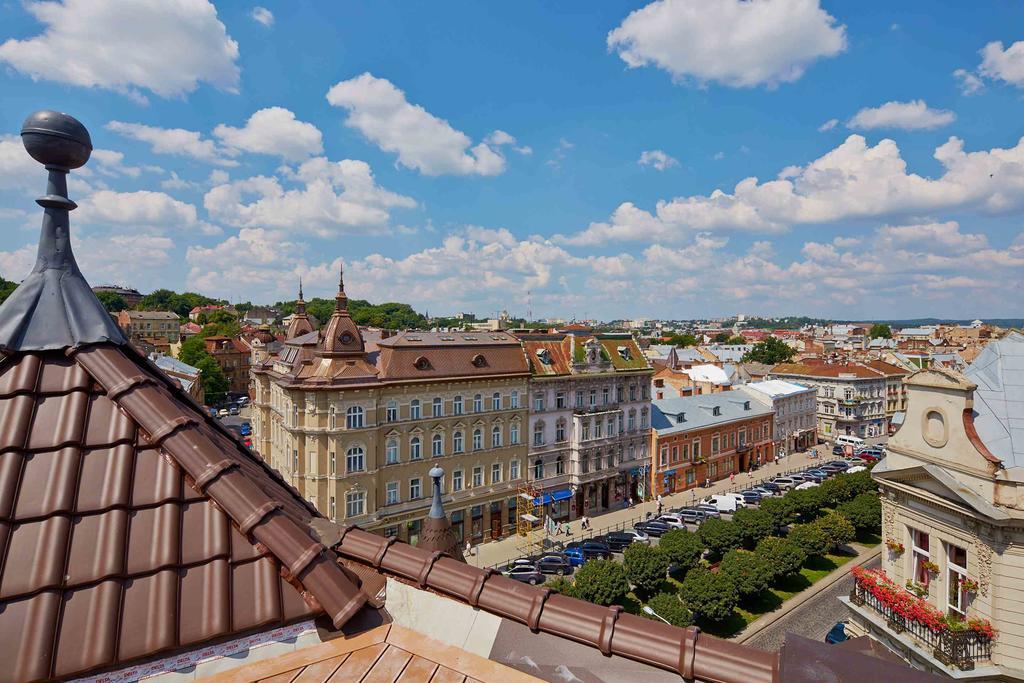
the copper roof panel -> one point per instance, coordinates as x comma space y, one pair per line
27, 650
107, 424
58, 420
19, 374
15, 419
149, 615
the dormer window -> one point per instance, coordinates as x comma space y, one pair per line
717, 410
624, 353
680, 418
544, 356
422, 363
479, 361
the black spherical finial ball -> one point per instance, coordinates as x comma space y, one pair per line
56, 139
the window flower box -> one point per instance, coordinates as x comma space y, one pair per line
895, 547
930, 567
969, 585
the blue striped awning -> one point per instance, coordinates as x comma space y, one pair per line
553, 497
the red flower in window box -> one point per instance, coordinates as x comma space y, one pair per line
969, 585
894, 546
981, 626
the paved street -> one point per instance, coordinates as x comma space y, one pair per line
500, 552
812, 619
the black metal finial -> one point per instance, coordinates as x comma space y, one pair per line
436, 508
54, 308
300, 288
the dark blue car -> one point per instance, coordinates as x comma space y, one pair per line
837, 634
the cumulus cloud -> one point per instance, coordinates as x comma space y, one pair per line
113, 258
422, 141
143, 209
274, 131
945, 237
262, 15
657, 159
733, 42
970, 84
333, 198
18, 171
854, 180
111, 163
167, 48
175, 141
1003, 64
828, 125
914, 115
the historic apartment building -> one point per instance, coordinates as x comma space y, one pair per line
953, 516
851, 397
356, 429
589, 421
794, 407
150, 325
709, 436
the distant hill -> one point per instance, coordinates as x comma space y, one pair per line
920, 322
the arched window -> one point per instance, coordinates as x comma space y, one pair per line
478, 404
437, 446
332, 418
437, 409
355, 460
560, 431
414, 409
513, 433
391, 452
415, 448
478, 440
538, 469
354, 418
496, 436
457, 405
457, 444
496, 401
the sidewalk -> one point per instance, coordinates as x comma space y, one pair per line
500, 552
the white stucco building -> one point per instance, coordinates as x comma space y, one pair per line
794, 406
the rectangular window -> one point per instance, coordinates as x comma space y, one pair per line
920, 557
391, 451
675, 454
513, 401
664, 455
391, 414
513, 433
457, 480
956, 564
391, 493
457, 442
478, 476
560, 432
414, 488
696, 449
437, 408
560, 400
496, 473
457, 405
333, 508
604, 396
597, 430
414, 410
579, 399
538, 403
619, 394
355, 503
593, 398
632, 392
714, 445
513, 470
585, 432
333, 462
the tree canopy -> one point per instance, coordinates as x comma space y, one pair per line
6, 287
709, 594
645, 567
750, 572
880, 330
670, 608
602, 582
770, 351
112, 302
719, 536
392, 316
169, 300
721, 337
682, 340
682, 547
781, 554
215, 384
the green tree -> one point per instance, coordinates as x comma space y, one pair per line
112, 302
736, 340
864, 512
192, 350
720, 536
749, 572
709, 594
880, 330
807, 503
838, 530
861, 482
755, 524
6, 288
682, 548
602, 582
562, 585
721, 337
669, 607
782, 555
770, 351
215, 384
682, 340
781, 509
169, 300
810, 537
836, 490
645, 567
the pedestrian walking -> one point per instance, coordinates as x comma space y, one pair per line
732, 477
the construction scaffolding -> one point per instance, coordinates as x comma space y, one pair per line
529, 519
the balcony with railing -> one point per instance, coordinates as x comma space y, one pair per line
960, 648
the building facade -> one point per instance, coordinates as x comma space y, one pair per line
851, 397
233, 356
589, 413
708, 437
794, 407
356, 432
953, 515
150, 324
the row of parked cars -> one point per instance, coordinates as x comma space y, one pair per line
534, 570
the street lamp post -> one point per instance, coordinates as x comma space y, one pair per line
647, 610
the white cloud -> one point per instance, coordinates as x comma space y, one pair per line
853, 180
828, 125
111, 163
657, 159
1003, 64
380, 111
914, 115
263, 16
275, 131
108, 258
500, 137
970, 84
944, 237
165, 47
733, 42
142, 209
335, 198
265, 263
18, 171
176, 141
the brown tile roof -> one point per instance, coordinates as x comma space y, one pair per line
558, 352
886, 368
833, 370
429, 355
133, 525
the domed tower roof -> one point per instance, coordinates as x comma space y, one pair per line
340, 336
299, 324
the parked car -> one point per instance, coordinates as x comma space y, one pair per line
869, 456
247, 441
620, 540
652, 528
834, 469
800, 478
842, 464
740, 501
785, 483
816, 476
807, 485
836, 634
243, 401
750, 497
223, 412
233, 409
691, 515
526, 573
710, 511
245, 429
722, 503
767, 485
838, 450
673, 520
763, 492
592, 550
552, 563
855, 469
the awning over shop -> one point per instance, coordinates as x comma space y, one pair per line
553, 497
669, 473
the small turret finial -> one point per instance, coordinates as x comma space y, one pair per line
300, 288
340, 299
436, 508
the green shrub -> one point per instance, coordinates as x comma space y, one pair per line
782, 556
645, 567
708, 594
602, 582
810, 537
720, 536
781, 509
682, 548
562, 585
864, 512
749, 572
670, 608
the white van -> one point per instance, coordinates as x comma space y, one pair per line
846, 440
724, 503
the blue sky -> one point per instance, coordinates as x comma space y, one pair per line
601, 156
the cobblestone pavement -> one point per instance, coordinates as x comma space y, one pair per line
500, 552
813, 619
